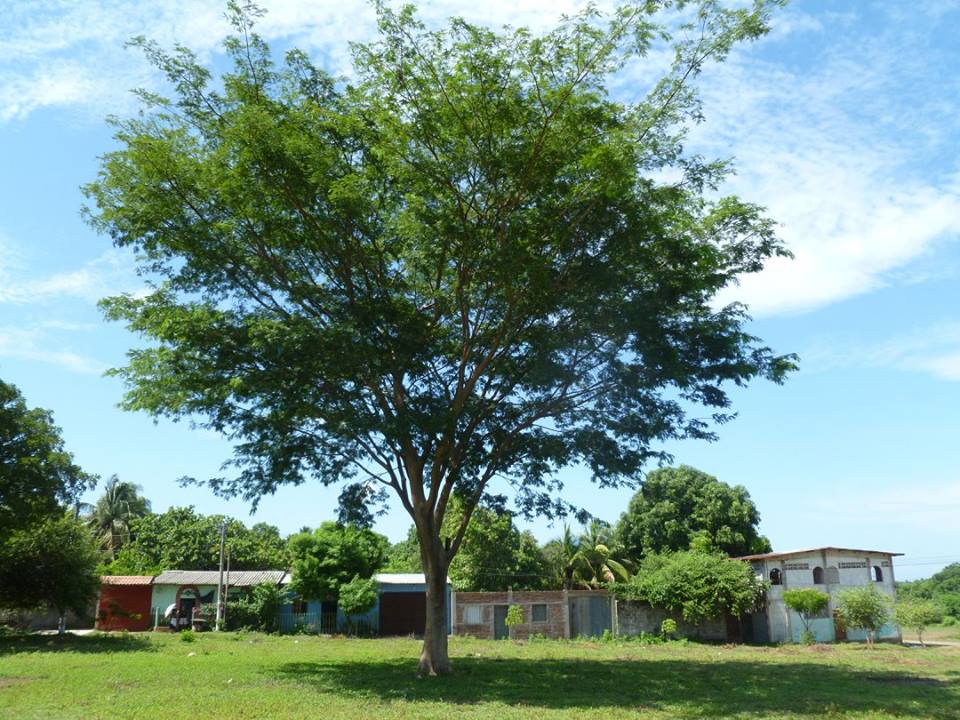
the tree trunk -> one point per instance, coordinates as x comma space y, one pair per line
434, 658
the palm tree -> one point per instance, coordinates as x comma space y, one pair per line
115, 511
561, 553
594, 561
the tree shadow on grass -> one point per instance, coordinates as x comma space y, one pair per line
12, 644
688, 689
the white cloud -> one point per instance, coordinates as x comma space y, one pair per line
110, 273
845, 150
35, 345
840, 131
933, 349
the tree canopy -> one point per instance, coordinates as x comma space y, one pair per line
680, 507
693, 585
38, 477
865, 608
331, 556
467, 262
116, 509
942, 587
52, 564
183, 539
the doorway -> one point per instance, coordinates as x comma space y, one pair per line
500, 630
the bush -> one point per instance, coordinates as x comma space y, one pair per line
948, 621
693, 585
865, 608
187, 636
668, 628
806, 602
917, 615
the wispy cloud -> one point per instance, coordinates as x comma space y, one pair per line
110, 273
835, 120
38, 346
845, 146
933, 349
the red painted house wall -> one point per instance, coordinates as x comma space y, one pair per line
120, 605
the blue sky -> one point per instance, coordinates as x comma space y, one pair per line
842, 122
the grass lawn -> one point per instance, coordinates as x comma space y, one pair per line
256, 676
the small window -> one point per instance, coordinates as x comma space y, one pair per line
775, 577
877, 574
538, 613
818, 576
299, 606
472, 615
833, 576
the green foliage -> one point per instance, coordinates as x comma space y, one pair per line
37, 475
916, 614
330, 556
494, 555
358, 596
695, 586
683, 508
943, 588
950, 621
468, 263
182, 539
256, 610
52, 564
807, 603
668, 628
586, 560
514, 616
187, 636
865, 608
115, 511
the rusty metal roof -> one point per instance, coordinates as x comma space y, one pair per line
238, 578
126, 579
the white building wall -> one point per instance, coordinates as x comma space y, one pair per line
797, 572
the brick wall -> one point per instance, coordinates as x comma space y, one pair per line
556, 625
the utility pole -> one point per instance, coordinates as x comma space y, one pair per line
223, 540
226, 589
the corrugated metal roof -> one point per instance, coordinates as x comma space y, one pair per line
238, 578
126, 579
771, 555
401, 578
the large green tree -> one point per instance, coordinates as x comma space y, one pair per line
680, 507
115, 511
38, 477
467, 262
51, 564
333, 554
182, 539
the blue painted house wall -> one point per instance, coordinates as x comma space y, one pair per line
288, 621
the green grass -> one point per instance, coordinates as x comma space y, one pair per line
256, 676
935, 633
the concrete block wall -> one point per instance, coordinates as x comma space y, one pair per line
635, 618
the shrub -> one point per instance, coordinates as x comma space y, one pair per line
806, 602
187, 636
949, 621
693, 585
917, 615
668, 628
865, 608
356, 598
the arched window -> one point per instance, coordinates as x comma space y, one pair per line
775, 577
818, 575
832, 576
877, 574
